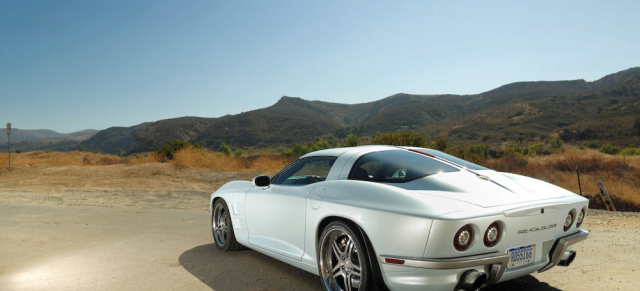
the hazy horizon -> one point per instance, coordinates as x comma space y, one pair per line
74, 65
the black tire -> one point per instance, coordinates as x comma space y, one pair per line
221, 227
343, 261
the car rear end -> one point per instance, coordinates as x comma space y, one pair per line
469, 249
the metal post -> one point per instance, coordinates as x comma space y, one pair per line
9, 143
9, 150
579, 185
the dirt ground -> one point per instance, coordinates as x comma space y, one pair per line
141, 227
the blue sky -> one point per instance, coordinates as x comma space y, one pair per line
73, 65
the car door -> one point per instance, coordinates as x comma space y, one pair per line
276, 214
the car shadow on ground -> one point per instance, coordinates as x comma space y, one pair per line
250, 270
526, 283
244, 270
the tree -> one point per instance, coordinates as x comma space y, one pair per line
555, 142
609, 148
167, 152
479, 150
296, 150
441, 143
226, 150
351, 140
401, 138
238, 152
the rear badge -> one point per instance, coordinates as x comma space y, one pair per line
550, 226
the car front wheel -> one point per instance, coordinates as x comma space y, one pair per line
343, 262
221, 227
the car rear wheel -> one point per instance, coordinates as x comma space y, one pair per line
342, 257
221, 227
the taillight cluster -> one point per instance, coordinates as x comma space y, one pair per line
465, 236
568, 222
580, 219
492, 235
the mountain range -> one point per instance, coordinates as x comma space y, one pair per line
578, 111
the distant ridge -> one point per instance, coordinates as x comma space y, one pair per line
524, 111
44, 139
577, 110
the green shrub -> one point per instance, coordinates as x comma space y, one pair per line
167, 152
297, 150
555, 142
441, 143
534, 148
226, 150
593, 144
321, 144
630, 152
479, 149
351, 140
238, 152
514, 148
610, 149
401, 138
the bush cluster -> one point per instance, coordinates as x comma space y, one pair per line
167, 152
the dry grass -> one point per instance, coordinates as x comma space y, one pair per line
186, 158
203, 158
620, 174
73, 159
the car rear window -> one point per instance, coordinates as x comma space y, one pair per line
452, 159
396, 166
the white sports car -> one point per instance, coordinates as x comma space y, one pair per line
377, 217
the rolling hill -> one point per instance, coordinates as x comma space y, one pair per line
607, 109
44, 139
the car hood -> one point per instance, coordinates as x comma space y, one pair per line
486, 188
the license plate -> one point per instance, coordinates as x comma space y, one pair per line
521, 256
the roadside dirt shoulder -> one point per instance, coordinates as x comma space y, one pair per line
153, 185
608, 260
147, 227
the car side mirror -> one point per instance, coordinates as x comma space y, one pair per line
262, 181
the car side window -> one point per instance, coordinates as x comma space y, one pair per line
305, 171
396, 167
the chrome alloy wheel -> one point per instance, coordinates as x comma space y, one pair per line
219, 225
340, 261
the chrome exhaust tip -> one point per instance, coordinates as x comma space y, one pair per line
567, 258
472, 280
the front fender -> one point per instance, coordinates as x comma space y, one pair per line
234, 194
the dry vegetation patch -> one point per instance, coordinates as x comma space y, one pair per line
75, 158
202, 158
201, 171
619, 174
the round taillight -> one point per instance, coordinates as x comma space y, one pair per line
463, 238
568, 221
492, 235
580, 218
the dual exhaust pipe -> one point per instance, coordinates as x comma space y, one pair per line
567, 258
473, 280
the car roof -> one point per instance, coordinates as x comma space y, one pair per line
352, 150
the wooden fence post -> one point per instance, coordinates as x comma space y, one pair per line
605, 196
